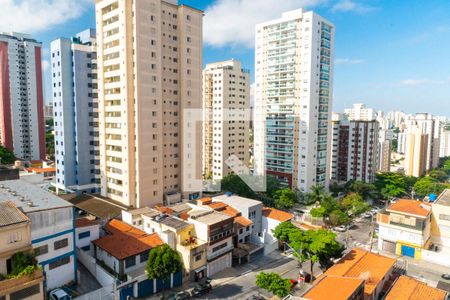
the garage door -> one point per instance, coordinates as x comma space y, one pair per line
219, 264
388, 246
408, 251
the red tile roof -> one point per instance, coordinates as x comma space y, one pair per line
360, 263
342, 288
407, 288
125, 240
277, 214
42, 170
242, 221
411, 207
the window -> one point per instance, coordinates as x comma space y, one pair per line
86, 248
41, 250
198, 257
130, 261
83, 235
61, 244
59, 262
144, 256
219, 247
444, 217
25, 293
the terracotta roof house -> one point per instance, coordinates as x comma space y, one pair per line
407, 288
125, 248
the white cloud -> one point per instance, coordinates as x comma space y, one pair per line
45, 65
232, 22
348, 61
351, 6
30, 16
424, 81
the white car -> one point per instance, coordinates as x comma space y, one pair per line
59, 294
341, 228
367, 215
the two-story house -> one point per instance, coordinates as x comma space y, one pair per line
125, 248
179, 235
404, 227
217, 230
15, 237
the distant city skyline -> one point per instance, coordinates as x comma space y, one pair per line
387, 57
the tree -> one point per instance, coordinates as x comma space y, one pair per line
163, 261
233, 183
272, 186
338, 217
6, 156
439, 175
284, 230
284, 199
366, 190
316, 193
274, 283
354, 204
429, 185
391, 184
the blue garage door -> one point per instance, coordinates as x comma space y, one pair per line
145, 288
408, 251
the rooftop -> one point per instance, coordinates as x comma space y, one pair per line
171, 222
125, 240
11, 215
276, 214
183, 207
410, 207
141, 211
359, 263
97, 206
444, 198
242, 221
85, 222
41, 170
212, 217
29, 197
407, 288
342, 288
237, 199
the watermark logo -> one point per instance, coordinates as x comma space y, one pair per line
198, 128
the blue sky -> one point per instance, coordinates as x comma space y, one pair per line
389, 54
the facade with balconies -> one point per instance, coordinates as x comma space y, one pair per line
405, 228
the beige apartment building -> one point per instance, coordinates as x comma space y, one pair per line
226, 103
416, 153
149, 71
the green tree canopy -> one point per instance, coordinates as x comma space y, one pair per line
272, 186
284, 230
163, 261
366, 190
338, 217
391, 184
6, 156
233, 183
274, 283
439, 175
284, 199
354, 204
316, 193
429, 185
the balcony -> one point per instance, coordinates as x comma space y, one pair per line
8, 286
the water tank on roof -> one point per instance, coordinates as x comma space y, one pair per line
229, 194
432, 197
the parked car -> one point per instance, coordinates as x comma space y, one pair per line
305, 277
59, 294
341, 228
182, 295
201, 289
446, 276
367, 215
293, 283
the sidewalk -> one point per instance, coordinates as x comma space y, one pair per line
228, 274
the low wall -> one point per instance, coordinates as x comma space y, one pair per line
102, 276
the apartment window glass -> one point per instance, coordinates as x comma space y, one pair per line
41, 250
83, 235
61, 244
144, 256
60, 262
130, 261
